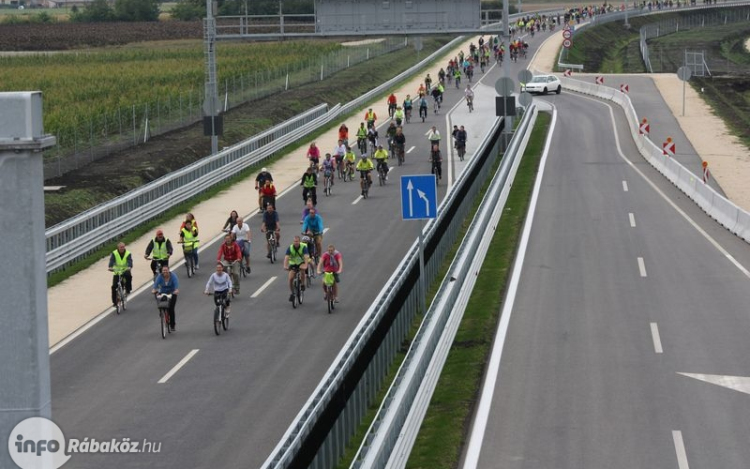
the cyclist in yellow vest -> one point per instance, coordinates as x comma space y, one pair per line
370, 117
160, 250
296, 258
189, 240
120, 262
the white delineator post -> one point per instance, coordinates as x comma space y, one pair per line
24, 338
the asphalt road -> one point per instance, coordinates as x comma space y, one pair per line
624, 285
233, 399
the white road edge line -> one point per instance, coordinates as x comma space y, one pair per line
625, 186
657, 339
684, 215
488, 389
178, 366
263, 287
357, 200
642, 267
632, 220
410, 149
679, 447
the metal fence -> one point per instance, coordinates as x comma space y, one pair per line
95, 136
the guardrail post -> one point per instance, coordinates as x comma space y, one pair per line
24, 343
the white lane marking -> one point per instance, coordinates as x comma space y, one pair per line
679, 447
325, 230
488, 388
684, 215
357, 200
632, 220
656, 337
428, 131
625, 186
178, 366
410, 149
642, 267
262, 287
735, 383
450, 145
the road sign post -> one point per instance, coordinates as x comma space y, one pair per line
684, 74
419, 202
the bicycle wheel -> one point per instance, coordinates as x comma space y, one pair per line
188, 264
217, 320
167, 321
295, 294
164, 326
224, 319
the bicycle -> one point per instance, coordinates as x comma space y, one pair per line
470, 103
423, 112
366, 186
382, 174
121, 294
349, 171
362, 144
297, 293
273, 245
158, 266
399, 154
435, 105
461, 149
162, 303
268, 200
327, 186
340, 168
221, 319
328, 280
189, 257
435, 159
407, 115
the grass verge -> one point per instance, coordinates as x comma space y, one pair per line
447, 422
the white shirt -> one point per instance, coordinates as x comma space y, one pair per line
434, 136
241, 233
469, 93
340, 150
219, 283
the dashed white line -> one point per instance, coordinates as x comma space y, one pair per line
679, 447
178, 366
410, 149
325, 230
657, 339
642, 267
262, 287
625, 186
357, 200
632, 220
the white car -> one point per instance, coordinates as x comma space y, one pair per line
544, 84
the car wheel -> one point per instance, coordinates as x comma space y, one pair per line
559, 89
545, 91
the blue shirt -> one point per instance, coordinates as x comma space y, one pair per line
167, 287
314, 224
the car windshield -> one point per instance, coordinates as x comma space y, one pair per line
539, 79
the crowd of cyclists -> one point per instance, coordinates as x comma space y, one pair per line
305, 254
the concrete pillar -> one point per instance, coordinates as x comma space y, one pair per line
24, 342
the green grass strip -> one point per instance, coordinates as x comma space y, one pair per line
447, 422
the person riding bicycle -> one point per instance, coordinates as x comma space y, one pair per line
390, 133
120, 263
344, 134
268, 194
399, 115
364, 166
260, 181
392, 101
469, 93
436, 97
338, 153
370, 118
189, 241
372, 137
461, 138
309, 183
399, 143
160, 250
241, 233
457, 76
434, 138
220, 283
313, 155
408, 105
423, 107
168, 283
441, 89
350, 160
231, 253
361, 136
441, 75
421, 91
428, 83
329, 167
296, 258
270, 224
314, 224
381, 158
332, 261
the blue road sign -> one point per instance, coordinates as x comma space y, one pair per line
418, 197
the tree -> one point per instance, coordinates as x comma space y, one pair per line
189, 10
98, 10
137, 10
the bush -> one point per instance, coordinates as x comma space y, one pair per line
188, 10
136, 10
96, 11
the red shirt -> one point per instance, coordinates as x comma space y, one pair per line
392, 99
230, 253
268, 191
331, 263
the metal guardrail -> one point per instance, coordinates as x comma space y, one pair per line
319, 434
391, 435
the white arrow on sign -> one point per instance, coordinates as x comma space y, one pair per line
737, 383
410, 187
423, 196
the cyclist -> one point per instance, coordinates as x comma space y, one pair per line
441, 88
328, 169
189, 239
372, 136
270, 225
381, 157
189, 217
370, 118
421, 91
389, 135
313, 155
399, 115
296, 258
461, 137
364, 166
350, 160
457, 76
231, 253
428, 83
338, 153
314, 225
441, 75
362, 137
469, 93
260, 181
160, 248
305, 211
408, 105
392, 104
268, 194
120, 263
434, 138
241, 233
168, 283
399, 143
231, 221
309, 183
436, 99
221, 284
344, 134
331, 261
422, 107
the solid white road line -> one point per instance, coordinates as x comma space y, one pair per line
642, 267
684, 215
410, 149
178, 366
357, 200
632, 220
449, 146
657, 339
325, 230
625, 186
679, 447
262, 287
488, 388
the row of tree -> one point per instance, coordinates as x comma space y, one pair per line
121, 10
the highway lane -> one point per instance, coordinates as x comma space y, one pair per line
619, 293
231, 402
